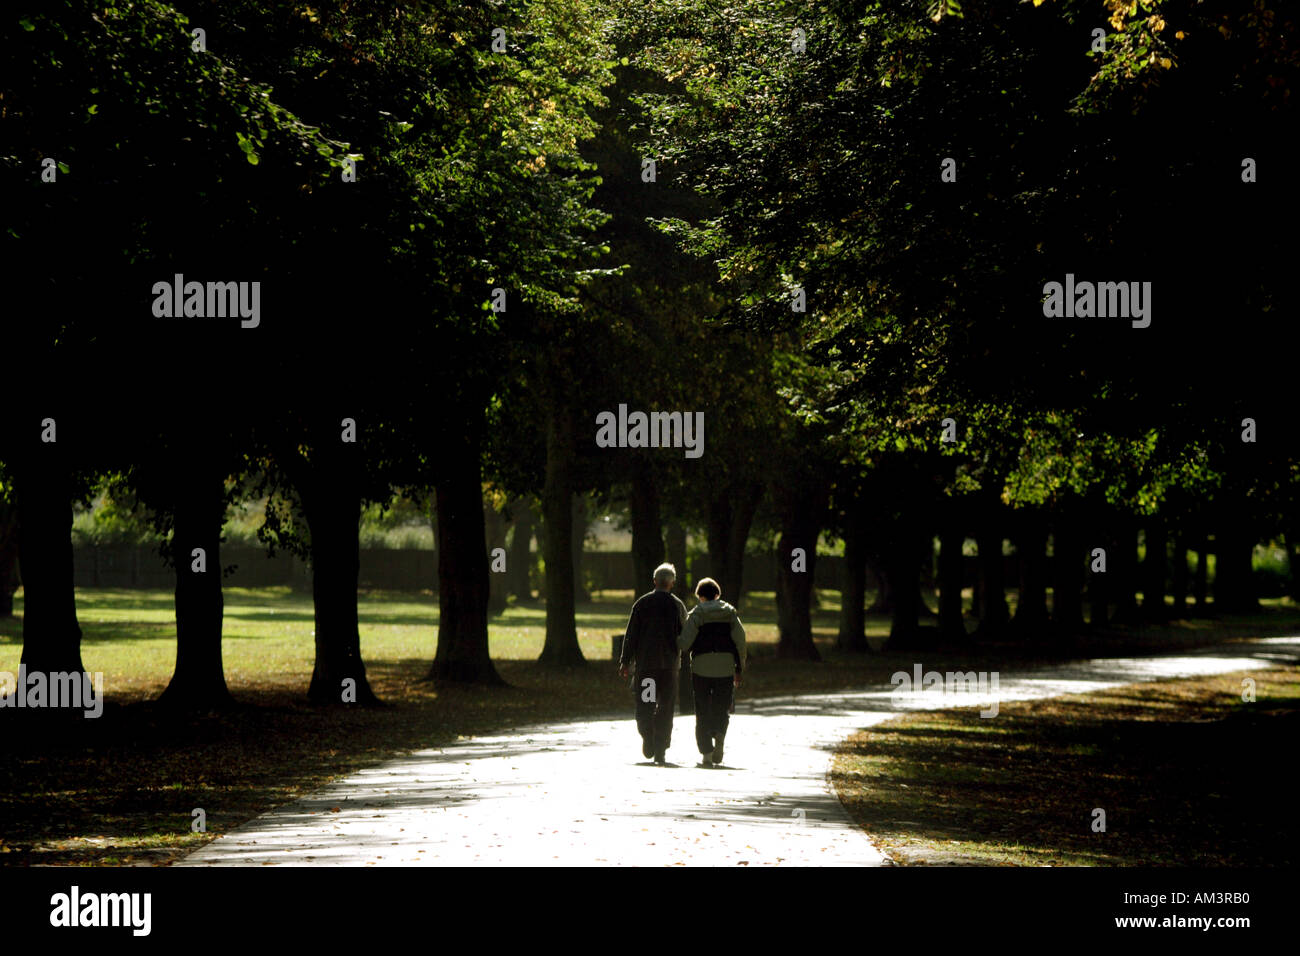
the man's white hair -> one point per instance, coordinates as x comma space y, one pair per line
665, 574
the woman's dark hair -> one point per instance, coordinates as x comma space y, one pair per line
707, 589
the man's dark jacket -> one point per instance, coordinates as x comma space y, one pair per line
651, 637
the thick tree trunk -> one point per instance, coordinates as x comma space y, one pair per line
928, 581
747, 503
731, 513
901, 555
852, 635
1180, 578
561, 646
647, 531
521, 557
952, 627
8, 585
794, 592
904, 572
1223, 584
878, 566
199, 681
1200, 579
51, 634
801, 507
333, 510
1124, 573
578, 539
677, 555
494, 524
8, 558
1233, 577
1030, 621
994, 613
1067, 578
1099, 582
1153, 572
462, 569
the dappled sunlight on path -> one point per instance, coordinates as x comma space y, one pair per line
581, 794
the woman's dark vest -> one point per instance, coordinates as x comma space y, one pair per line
714, 638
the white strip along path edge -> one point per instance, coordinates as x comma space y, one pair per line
580, 794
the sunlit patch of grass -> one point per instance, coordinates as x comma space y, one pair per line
1187, 773
123, 787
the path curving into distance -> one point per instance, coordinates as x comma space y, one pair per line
580, 794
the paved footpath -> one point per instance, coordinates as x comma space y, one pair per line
579, 793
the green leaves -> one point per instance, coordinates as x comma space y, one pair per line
938, 9
246, 144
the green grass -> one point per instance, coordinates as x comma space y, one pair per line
130, 635
1187, 773
121, 788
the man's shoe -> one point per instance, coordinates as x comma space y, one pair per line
647, 749
706, 760
660, 759
717, 752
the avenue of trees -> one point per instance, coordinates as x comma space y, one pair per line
828, 227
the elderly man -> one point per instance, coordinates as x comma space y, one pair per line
651, 641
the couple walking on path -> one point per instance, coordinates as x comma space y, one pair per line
660, 630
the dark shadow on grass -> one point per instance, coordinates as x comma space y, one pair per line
1173, 790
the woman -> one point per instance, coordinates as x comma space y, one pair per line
716, 640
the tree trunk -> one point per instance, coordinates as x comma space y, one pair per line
1099, 588
994, 614
199, 681
952, 628
1180, 578
647, 531
800, 529
521, 557
494, 525
927, 582
1200, 580
332, 505
579, 541
852, 635
1031, 619
51, 633
904, 573
801, 506
730, 515
677, 555
462, 568
877, 565
747, 503
1233, 576
1153, 576
561, 646
1122, 567
1067, 582
8, 558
